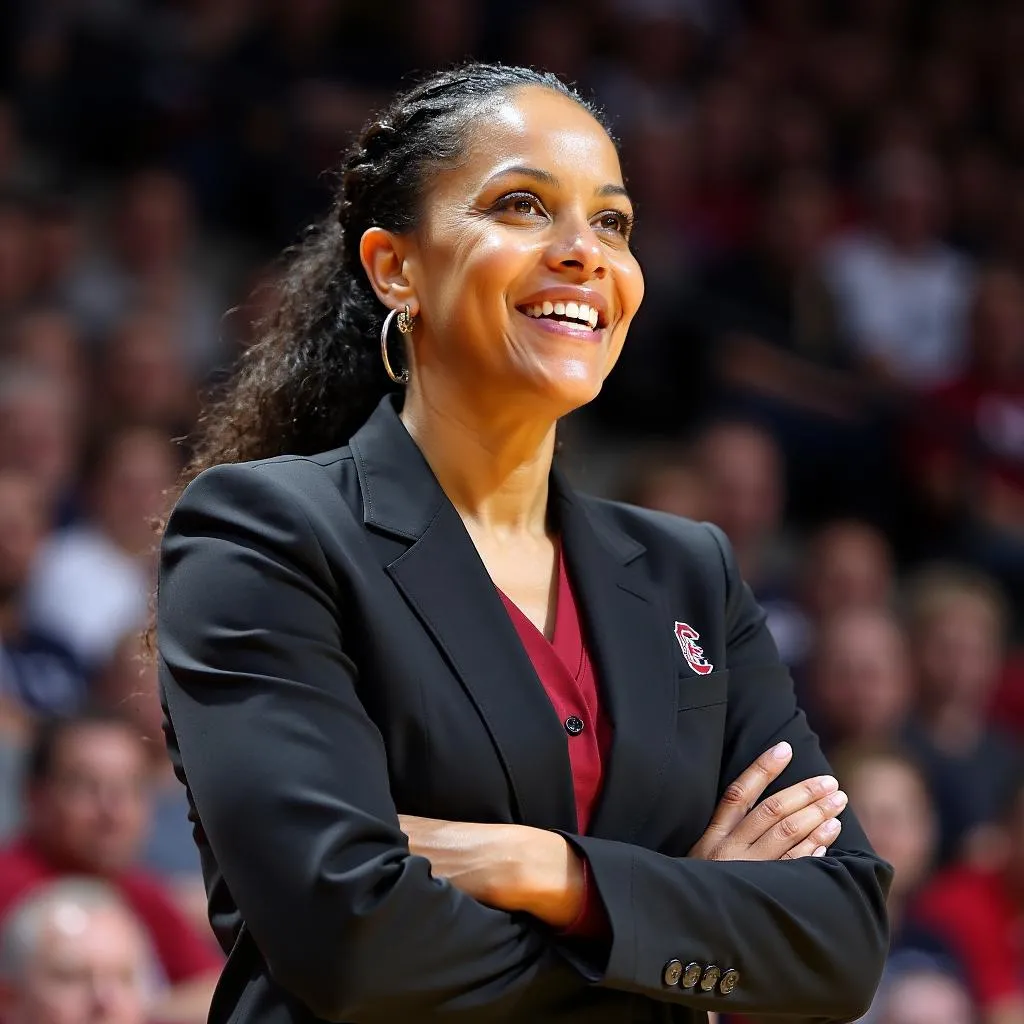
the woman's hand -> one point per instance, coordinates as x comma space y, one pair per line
796, 822
509, 867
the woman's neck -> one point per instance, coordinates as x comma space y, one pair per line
494, 469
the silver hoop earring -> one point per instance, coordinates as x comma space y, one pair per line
405, 326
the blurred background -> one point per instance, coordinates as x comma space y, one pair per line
829, 364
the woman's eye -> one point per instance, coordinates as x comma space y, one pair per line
523, 205
615, 221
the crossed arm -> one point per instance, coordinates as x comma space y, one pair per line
519, 868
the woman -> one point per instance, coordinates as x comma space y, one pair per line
553, 692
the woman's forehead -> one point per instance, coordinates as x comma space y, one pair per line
539, 128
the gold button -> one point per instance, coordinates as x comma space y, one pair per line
729, 980
710, 978
672, 972
691, 975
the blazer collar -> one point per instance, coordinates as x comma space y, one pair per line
401, 495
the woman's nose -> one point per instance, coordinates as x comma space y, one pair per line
578, 248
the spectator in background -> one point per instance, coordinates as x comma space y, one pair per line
47, 341
774, 329
92, 581
17, 254
73, 953
128, 686
890, 797
979, 909
859, 685
142, 377
59, 249
38, 435
12, 758
956, 623
966, 446
1008, 702
152, 265
666, 480
722, 213
846, 564
39, 673
771, 310
16, 174
902, 293
923, 995
658, 44
797, 136
741, 468
979, 183
849, 564
86, 814
555, 38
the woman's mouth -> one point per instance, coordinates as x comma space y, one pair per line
564, 317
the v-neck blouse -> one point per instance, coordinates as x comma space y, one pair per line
565, 671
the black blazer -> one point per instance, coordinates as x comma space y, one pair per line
332, 651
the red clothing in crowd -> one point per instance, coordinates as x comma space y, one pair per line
1008, 703
183, 952
976, 426
972, 910
565, 671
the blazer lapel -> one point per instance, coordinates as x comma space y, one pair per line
626, 631
443, 579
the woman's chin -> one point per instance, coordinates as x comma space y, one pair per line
567, 392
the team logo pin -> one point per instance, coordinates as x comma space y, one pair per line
692, 652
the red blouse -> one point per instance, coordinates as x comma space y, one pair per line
566, 673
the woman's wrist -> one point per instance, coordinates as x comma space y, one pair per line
546, 879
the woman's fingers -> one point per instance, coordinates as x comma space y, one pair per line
771, 812
817, 843
742, 794
817, 822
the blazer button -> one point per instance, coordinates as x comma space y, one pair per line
574, 725
672, 972
729, 980
691, 975
710, 978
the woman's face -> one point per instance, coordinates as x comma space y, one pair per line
521, 268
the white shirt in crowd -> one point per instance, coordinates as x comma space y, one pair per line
910, 311
88, 592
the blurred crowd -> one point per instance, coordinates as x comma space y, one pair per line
829, 364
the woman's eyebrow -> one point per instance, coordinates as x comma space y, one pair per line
547, 178
522, 170
614, 190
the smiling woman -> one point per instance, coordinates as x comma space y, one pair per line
449, 749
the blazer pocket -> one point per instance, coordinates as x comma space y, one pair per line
701, 691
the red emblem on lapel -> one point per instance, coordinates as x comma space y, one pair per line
694, 655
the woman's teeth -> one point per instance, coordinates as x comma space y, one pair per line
570, 310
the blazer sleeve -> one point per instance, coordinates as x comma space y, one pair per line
289, 776
808, 938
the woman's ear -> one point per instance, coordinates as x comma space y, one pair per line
384, 258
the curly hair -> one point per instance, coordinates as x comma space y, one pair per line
313, 374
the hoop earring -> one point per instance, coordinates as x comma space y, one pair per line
405, 327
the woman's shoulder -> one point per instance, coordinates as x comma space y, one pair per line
305, 485
301, 473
